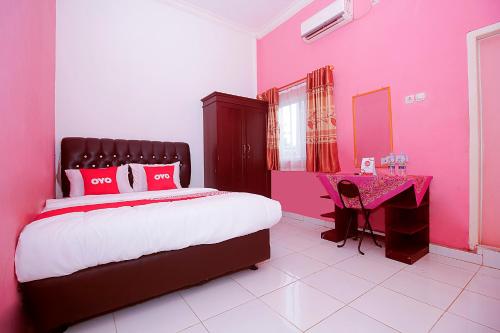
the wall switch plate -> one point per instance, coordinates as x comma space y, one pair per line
375, 2
420, 97
410, 99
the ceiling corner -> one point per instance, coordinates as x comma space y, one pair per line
206, 14
284, 16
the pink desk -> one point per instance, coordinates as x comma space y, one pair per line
406, 204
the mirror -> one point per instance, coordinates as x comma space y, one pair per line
372, 125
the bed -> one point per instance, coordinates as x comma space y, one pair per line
55, 301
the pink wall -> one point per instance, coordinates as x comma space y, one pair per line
27, 56
411, 46
490, 100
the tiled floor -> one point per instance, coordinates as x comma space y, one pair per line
310, 285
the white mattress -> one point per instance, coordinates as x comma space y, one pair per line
61, 245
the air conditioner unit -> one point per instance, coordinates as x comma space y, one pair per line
332, 17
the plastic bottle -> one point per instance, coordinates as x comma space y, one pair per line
392, 164
402, 163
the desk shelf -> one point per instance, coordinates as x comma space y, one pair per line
406, 224
409, 253
407, 228
406, 200
330, 215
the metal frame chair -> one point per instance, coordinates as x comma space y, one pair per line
350, 190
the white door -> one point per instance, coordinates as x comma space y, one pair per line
483, 47
489, 96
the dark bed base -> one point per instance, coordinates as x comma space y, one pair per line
56, 303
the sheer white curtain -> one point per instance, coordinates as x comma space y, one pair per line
292, 122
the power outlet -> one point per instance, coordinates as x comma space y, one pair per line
410, 99
420, 97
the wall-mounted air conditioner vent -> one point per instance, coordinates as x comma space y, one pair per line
332, 17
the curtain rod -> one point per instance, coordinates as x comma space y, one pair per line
299, 81
294, 83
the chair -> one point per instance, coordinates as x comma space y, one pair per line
350, 190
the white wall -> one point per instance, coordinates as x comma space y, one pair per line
137, 69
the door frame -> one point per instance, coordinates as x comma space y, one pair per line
475, 132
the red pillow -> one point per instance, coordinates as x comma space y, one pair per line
160, 177
100, 181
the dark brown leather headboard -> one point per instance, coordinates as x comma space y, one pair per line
77, 153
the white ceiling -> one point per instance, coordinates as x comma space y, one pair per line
257, 17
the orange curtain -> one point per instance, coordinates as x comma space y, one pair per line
273, 132
321, 132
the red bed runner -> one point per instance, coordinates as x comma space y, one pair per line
130, 203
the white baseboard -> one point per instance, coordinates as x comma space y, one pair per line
491, 256
472, 257
484, 256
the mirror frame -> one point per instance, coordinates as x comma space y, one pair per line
357, 159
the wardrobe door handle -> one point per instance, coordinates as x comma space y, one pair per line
249, 148
244, 147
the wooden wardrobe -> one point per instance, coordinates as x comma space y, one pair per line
234, 130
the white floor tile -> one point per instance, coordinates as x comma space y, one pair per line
215, 297
298, 265
275, 236
278, 250
451, 323
409, 299
163, 314
368, 247
294, 222
301, 304
299, 242
371, 250
468, 266
486, 285
457, 277
282, 226
349, 320
397, 311
478, 308
264, 280
493, 272
195, 329
290, 217
339, 284
102, 324
251, 317
369, 268
282, 232
491, 258
423, 289
329, 254
309, 226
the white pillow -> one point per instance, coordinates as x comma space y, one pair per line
76, 188
140, 183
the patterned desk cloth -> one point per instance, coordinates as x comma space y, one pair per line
375, 190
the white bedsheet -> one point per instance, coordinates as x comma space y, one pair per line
61, 245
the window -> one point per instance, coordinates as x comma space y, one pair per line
292, 124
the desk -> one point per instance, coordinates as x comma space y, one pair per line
406, 204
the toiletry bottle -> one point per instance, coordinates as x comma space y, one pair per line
392, 164
402, 163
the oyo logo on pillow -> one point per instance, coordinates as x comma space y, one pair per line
161, 176
97, 181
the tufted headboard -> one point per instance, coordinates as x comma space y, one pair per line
100, 153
